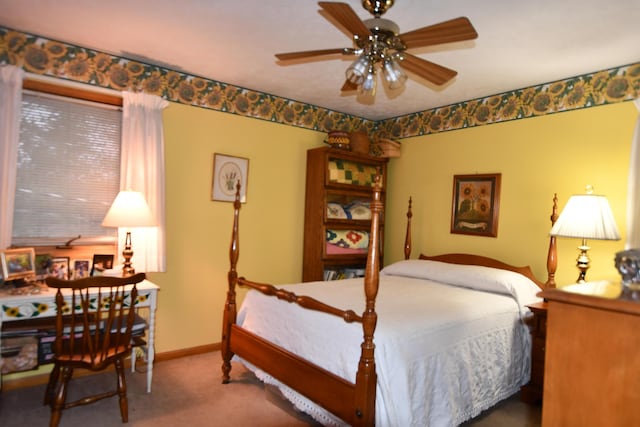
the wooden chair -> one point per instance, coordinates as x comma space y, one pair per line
92, 332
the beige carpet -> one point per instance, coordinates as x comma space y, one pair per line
188, 392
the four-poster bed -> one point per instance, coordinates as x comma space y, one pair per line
322, 357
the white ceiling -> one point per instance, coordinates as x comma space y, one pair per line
520, 43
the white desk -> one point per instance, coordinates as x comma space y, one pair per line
37, 305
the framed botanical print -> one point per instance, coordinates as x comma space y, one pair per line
476, 202
228, 171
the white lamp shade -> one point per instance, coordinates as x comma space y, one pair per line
586, 216
129, 209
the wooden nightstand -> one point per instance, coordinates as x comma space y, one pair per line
532, 391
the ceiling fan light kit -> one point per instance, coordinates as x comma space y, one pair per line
380, 47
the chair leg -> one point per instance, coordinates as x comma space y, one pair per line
60, 396
54, 377
122, 390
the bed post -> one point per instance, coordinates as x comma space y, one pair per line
552, 256
230, 309
407, 237
366, 377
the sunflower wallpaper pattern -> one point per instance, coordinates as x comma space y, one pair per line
48, 57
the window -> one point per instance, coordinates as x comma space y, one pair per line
68, 170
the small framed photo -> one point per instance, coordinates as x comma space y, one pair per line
228, 171
80, 268
60, 267
44, 264
18, 263
100, 264
476, 202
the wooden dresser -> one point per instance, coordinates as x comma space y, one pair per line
592, 365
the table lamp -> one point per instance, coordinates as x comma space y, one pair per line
586, 216
129, 209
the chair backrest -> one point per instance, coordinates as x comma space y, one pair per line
94, 318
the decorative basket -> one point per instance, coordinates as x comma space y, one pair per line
338, 139
384, 147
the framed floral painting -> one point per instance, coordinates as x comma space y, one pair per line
476, 202
228, 171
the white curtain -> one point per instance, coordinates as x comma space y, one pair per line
142, 169
10, 105
633, 188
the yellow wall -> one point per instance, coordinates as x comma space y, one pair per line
198, 229
537, 157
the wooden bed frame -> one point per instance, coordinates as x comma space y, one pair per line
352, 402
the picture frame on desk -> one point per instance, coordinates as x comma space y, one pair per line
18, 263
44, 264
100, 264
60, 267
81, 268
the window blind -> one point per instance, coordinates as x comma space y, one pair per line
68, 169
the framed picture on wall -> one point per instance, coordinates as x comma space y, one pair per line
228, 171
476, 202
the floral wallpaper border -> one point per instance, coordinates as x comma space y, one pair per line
52, 58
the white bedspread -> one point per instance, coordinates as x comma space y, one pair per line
443, 353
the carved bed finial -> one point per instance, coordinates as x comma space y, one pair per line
407, 237
552, 256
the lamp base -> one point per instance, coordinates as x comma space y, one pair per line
583, 261
127, 253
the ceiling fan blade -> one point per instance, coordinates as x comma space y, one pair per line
348, 86
343, 13
428, 70
454, 30
307, 54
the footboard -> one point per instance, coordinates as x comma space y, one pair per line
352, 402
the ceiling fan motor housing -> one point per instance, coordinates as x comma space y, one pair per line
383, 43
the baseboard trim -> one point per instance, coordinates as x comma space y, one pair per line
192, 351
40, 379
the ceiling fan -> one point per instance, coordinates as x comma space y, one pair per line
380, 46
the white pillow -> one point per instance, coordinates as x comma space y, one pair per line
476, 277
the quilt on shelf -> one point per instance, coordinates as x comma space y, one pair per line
450, 340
